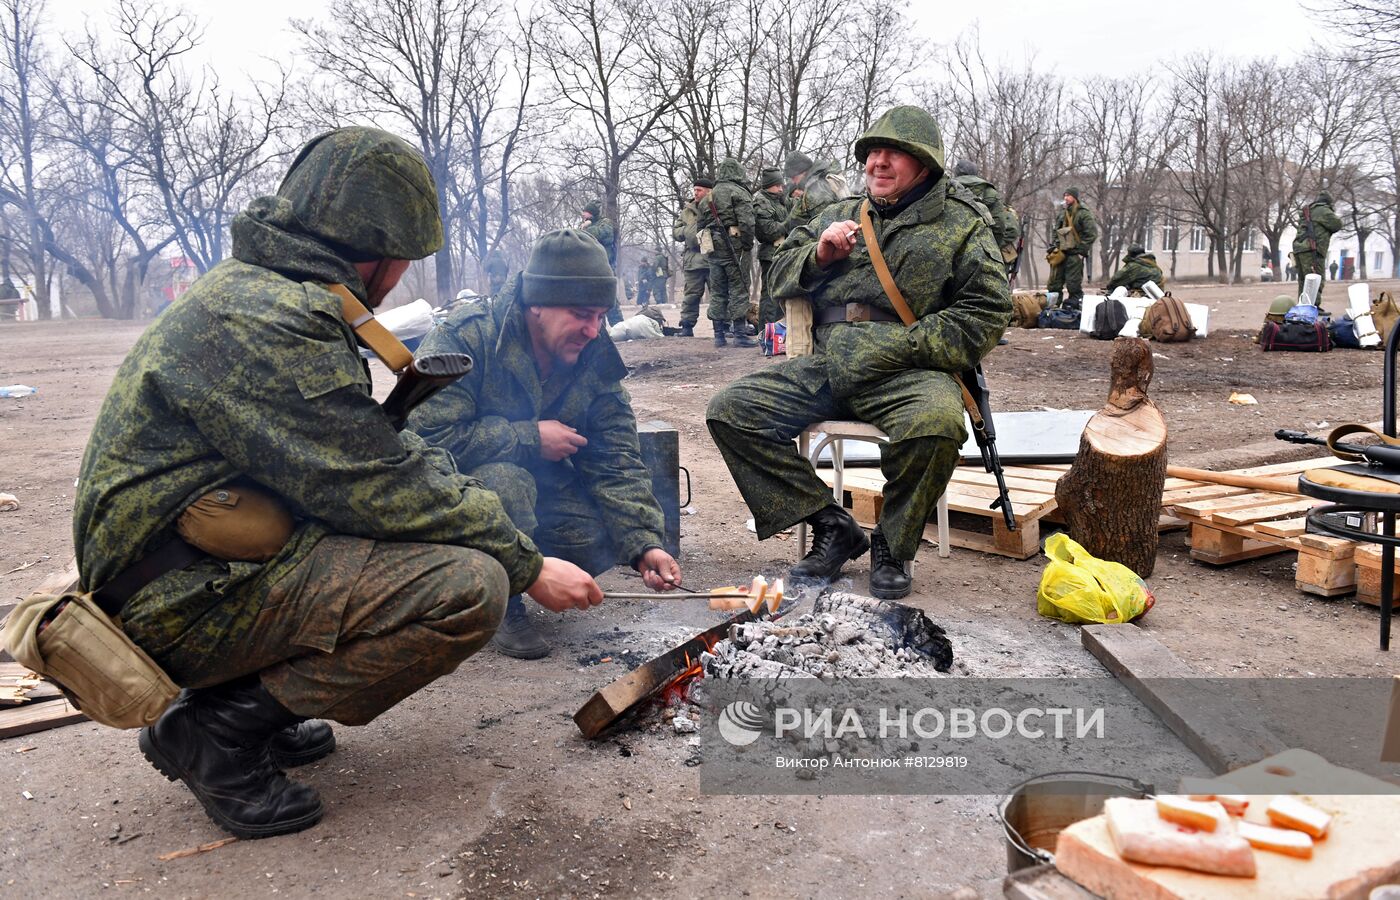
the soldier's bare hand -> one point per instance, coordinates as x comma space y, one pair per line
558, 441
562, 585
659, 570
837, 242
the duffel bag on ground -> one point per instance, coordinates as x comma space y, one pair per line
1059, 318
1296, 336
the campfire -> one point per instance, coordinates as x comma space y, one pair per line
845, 635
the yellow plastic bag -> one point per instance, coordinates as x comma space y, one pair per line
1080, 588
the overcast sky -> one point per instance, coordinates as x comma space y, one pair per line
1067, 36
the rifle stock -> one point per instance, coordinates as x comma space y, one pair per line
423, 378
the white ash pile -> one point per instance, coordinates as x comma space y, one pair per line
844, 636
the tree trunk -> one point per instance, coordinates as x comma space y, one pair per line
1112, 496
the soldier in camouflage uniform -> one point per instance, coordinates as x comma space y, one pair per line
769, 214
686, 231
1316, 226
660, 273
1139, 267
497, 270
543, 421
644, 277
1074, 238
938, 244
810, 188
396, 568
604, 232
966, 174
728, 214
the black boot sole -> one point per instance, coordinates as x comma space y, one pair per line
860, 550
891, 594
520, 653
306, 757
237, 829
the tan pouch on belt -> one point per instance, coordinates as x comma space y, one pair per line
237, 522
86, 652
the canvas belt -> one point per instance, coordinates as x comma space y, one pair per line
854, 312
174, 554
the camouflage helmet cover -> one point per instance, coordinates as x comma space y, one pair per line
909, 129
365, 193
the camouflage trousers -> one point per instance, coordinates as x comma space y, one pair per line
755, 421
769, 310
358, 625
729, 286
552, 507
1068, 277
1306, 264
695, 280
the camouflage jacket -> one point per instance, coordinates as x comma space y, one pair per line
730, 205
770, 217
253, 374
1137, 271
604, 233
685, 230
1325, 222
945, 262
1085, 227
817, 194
493, 414
990, 197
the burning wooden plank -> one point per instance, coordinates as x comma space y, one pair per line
613, 702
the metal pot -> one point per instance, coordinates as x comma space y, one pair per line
1035, 811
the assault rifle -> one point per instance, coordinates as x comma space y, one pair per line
979, 410
1015, 268
723, 231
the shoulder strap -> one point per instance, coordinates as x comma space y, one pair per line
901, 306
368, 329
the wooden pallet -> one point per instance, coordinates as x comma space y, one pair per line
1368, 573
1229, 525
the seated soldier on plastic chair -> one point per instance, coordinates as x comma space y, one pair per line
868, 365
542, 419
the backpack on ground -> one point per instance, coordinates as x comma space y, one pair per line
1059, 318
1296, 336
1109, 319
1385, 312
1026, 307
1167, 321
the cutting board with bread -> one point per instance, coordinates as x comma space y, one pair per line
1253, 833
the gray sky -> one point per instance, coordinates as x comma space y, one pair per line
1069, 37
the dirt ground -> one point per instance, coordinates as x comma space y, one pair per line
481, 785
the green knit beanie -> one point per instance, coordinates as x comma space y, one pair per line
770, 177
568, 267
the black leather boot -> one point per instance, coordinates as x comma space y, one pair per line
740, 331
296, 745
516, 635
835, 538
302, 744
216, 741
720, 328
687, 330
888, 580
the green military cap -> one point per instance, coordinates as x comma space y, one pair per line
704, 181
594, 208
1136, 250
568, 267
770, 177
1073, 192
366, 193
909, 129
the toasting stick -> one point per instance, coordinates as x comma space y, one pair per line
656, 595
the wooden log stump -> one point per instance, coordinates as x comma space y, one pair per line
1111, 496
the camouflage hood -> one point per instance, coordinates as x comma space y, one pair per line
351, 195
910, 129
730, 170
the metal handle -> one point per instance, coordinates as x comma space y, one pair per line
687, 486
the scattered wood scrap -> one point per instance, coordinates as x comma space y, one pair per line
1212, 727
32, 717
195, 851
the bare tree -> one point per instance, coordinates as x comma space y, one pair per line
800, 66
194, 144
24, 107
1372, 27
416, 62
